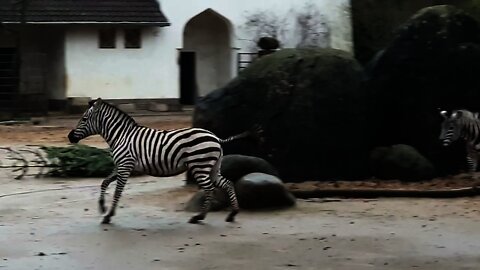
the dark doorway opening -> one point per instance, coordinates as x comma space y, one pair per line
188, 80
9, 79
208, 35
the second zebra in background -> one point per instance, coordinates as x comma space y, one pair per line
462, 124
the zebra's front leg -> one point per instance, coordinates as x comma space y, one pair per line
123, 173
105, 183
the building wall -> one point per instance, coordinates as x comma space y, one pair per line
119, 73
153, 71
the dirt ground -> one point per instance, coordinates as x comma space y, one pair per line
54, 131
54, 224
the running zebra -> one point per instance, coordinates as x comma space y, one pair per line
156, 153
465, 125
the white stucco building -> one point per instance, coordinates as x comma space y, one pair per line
142, 52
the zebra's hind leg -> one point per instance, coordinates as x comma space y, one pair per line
227, 185
203, 179
105, 183
205, 207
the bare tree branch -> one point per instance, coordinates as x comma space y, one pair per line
22, 163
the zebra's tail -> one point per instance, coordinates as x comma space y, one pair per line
255, 131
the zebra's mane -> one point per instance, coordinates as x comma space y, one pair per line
466, 115
125, 115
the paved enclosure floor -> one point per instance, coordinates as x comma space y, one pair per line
56, 226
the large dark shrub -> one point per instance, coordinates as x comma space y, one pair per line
311, 109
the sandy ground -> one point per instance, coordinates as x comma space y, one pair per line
54, 224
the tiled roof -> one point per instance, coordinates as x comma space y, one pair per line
83, 12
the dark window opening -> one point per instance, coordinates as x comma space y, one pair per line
133, 38
106, 39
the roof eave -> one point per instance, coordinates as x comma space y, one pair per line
160, 24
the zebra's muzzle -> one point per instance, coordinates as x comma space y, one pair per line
72, 138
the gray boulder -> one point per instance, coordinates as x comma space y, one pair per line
220, 201
254, 191
236, 166
259, 190
401, 162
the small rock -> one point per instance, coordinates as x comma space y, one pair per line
41, 254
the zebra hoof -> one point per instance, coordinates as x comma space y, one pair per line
196, 219
231, 216
106, 220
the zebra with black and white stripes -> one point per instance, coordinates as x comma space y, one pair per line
463, 124
156, 153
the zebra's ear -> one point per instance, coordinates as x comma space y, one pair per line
96, 102
444, 114
457, 114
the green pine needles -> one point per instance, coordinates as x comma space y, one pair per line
78, 161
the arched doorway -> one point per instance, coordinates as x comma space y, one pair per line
205, 60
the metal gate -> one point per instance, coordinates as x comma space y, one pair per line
22, 83
244, 59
